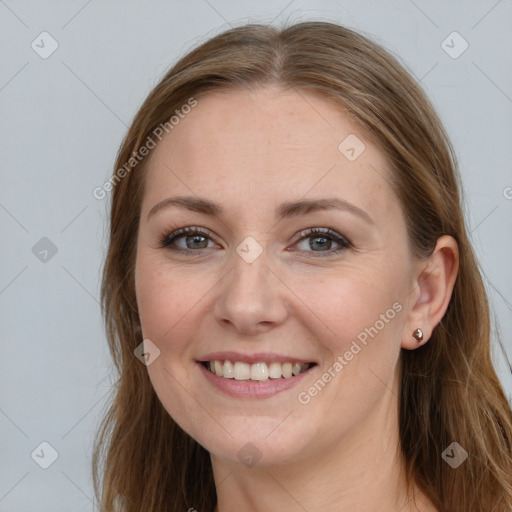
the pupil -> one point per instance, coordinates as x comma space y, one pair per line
323, 242
197, 239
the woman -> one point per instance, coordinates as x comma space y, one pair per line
291, 299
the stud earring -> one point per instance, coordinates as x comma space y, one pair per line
418, 334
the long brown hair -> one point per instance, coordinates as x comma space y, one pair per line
449, 389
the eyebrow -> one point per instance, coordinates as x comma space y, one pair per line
285, 210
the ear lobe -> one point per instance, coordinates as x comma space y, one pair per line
435, 281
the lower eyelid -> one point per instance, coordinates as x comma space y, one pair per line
310, 254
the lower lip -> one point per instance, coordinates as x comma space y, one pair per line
252, 388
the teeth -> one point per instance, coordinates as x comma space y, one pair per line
296, 368
287, 370
228, 370
274, 370
242, 371
257, 371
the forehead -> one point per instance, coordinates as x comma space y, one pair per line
247, 147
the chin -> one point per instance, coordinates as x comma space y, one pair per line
260, 444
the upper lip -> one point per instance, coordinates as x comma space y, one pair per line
260, 357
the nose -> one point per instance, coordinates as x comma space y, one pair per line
250, 298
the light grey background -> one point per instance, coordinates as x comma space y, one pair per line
62, 120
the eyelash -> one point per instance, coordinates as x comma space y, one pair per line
328, 233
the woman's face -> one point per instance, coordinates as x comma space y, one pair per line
296, 252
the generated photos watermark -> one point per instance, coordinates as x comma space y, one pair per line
150, 143
342, 360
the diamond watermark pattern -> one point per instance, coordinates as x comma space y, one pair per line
249, 455
147, 352
249, 249
44, 250
454, 455
454, 45
44, 45
44, 455
351, 147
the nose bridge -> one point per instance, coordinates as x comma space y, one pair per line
249, 279
249, 297
250, 258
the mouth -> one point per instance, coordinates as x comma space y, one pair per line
260, 371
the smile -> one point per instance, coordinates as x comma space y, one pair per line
258, 380
261, 371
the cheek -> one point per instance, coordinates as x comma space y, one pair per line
361, 325
167, 303
162, 299
349, 302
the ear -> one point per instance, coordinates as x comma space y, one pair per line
434, 282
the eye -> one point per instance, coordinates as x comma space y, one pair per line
318, 242
321, 241
189, 239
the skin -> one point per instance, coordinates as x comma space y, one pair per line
250, 151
